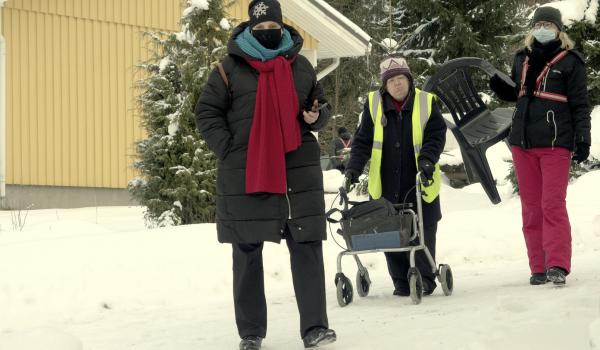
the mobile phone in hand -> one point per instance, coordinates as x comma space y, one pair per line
320, 107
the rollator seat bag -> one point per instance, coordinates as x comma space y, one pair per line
380, 240
375, 224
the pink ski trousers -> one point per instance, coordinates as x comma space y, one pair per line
543, 176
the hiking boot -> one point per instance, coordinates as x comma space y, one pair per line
557, 275
251, 342
537, 279
318, 336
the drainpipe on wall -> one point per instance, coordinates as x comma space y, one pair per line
3, 132
322, 74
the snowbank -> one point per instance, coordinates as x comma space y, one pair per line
332, 180
499, 158
595, 149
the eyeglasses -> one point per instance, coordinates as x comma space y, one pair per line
546, 25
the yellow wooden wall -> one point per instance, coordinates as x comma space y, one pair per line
72, 116
71, 107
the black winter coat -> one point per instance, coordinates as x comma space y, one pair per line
398, 166
225, 126
541, 122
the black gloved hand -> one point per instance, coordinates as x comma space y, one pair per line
426, 168
582, 152
500, 87
351, 177
496, 83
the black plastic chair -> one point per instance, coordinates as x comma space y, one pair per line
475, 127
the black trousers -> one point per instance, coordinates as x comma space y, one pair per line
308, 275
399, 263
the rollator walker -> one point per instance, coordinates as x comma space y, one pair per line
404, 233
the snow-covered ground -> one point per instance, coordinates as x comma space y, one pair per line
95, 278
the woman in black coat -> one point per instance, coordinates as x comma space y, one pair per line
551, 120
269, 182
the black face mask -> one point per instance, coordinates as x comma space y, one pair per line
269, 38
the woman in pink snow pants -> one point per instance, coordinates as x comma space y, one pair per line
551, 127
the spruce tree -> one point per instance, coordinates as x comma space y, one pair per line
438, 31
348, 86
177, 171
428, 33
585, 34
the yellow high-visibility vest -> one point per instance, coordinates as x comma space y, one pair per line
420, 116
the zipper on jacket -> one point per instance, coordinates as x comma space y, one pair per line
551, 112
546, 78
288, 202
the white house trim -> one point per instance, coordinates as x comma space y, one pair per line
336, 34
333, 66
311, 54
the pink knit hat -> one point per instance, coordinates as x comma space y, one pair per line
392, 66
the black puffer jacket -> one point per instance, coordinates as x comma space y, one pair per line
225, 125
541, 122
398, 165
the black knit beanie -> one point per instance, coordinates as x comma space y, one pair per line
263, 11
548, 14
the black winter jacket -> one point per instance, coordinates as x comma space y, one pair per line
541, 122
225, 126
398, 166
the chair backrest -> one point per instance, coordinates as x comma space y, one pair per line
457, 92
453, 84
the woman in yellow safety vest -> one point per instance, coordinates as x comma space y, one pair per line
401, 131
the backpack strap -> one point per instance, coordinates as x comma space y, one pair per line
223, 75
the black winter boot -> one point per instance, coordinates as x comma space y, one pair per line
401, 292
557, 275
537, 279
318, 336
251, 342
401, 288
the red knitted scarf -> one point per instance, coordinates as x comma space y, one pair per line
275, 126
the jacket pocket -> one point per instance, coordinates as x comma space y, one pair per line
554, 82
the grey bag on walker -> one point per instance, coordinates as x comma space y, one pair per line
374, 224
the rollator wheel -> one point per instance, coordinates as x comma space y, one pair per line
344, 289
446, 280
415, 283
363, 283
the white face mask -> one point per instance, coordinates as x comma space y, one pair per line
544, 35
